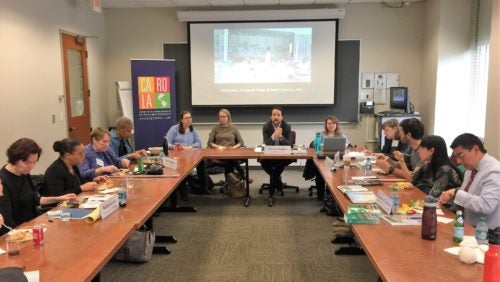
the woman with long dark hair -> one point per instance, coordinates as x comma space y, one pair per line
438, 173
184, 133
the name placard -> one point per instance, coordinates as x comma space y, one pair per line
171, 163
277, 150
109, 206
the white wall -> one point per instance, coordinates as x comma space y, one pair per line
31, 69
391, 41
492, 133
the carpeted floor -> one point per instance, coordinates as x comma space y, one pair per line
224, 241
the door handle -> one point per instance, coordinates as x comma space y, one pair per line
72, 128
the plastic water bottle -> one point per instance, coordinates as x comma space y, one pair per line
122, 196
140, 165
317, 142
368, 166
395, 200
336, 160
429, 219
162, 158
482, 231
458, 227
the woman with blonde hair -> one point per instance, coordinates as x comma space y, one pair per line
227, 136
332, 128
392, 140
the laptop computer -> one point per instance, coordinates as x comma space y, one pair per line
332, 145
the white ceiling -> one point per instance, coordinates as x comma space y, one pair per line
234, 3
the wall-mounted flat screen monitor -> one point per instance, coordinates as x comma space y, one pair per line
399, 99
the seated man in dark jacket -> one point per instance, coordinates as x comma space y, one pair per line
275, 132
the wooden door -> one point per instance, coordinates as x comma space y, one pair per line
76, 87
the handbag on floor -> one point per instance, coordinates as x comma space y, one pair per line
139, 247
235, 185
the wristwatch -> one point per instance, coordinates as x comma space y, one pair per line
391, 170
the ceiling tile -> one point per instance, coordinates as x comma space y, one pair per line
261, 2
191, 3
216, 3
156, 3
296, 2
120, 4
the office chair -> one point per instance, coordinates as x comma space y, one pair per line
265, 186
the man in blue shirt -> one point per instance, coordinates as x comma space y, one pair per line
120, 143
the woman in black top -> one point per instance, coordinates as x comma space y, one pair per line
63, 176
392, 140
20, 199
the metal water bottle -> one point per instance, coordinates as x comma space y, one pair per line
491, 270
317, 142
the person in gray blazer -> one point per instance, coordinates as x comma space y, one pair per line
479, 194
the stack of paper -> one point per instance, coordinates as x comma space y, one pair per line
361, 197
345, 188
404, 219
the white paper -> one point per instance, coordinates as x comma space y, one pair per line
2, 251
379, 96
32, 276
380, 81
444, 220
95, 201
392, 79
367, 80
109, 190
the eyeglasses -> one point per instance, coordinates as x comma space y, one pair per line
460, 156
222, 116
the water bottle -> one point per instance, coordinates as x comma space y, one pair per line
317, 142
162, 158
458, 227
122, 196
429, 219
336, 160
140, 165
482, 231
491, 270
368, 166
347, 168
395, 200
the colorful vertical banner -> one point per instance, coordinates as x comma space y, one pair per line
154, 100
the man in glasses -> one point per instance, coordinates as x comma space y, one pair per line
479, 194
120, 145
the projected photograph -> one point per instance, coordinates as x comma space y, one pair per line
262, 55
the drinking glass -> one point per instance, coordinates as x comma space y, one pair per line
12, 246
129, 182
65, 216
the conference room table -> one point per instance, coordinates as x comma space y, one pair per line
250, 153
398, 253
76, 250
73, 250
